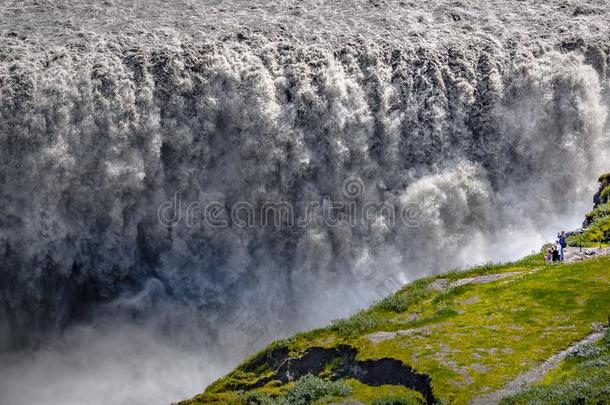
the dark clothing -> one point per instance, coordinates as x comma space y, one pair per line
555, 255
562, 241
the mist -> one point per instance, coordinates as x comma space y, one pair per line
130, 148
130, 362
121, 364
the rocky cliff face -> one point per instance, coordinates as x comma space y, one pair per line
603, 195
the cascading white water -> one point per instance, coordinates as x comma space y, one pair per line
487, 149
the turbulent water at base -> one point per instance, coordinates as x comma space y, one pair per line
489, 147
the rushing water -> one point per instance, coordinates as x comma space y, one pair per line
124, 160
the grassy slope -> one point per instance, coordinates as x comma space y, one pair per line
470, 340
598, 232
581, 379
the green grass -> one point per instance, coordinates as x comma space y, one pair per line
471, 340
581, 379
598, 220
598, 212
310, 389
357, 324
500, 329
401, 302
374, 395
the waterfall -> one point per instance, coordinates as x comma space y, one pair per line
136, 180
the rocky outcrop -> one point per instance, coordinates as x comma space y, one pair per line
342, 363
601, 197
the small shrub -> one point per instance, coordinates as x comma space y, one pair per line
607, 337
258, 398
402, 300
309, 388
444, 304
305, 391
396, 303
355, 325
445, 310
598, 230
586, 351
598, 362
600, 211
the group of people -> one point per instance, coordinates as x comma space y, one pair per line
555, 251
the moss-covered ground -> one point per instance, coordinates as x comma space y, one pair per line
584, 378
597, 233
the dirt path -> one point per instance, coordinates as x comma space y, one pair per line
379, 337
534, 374
572, 255
444, 284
